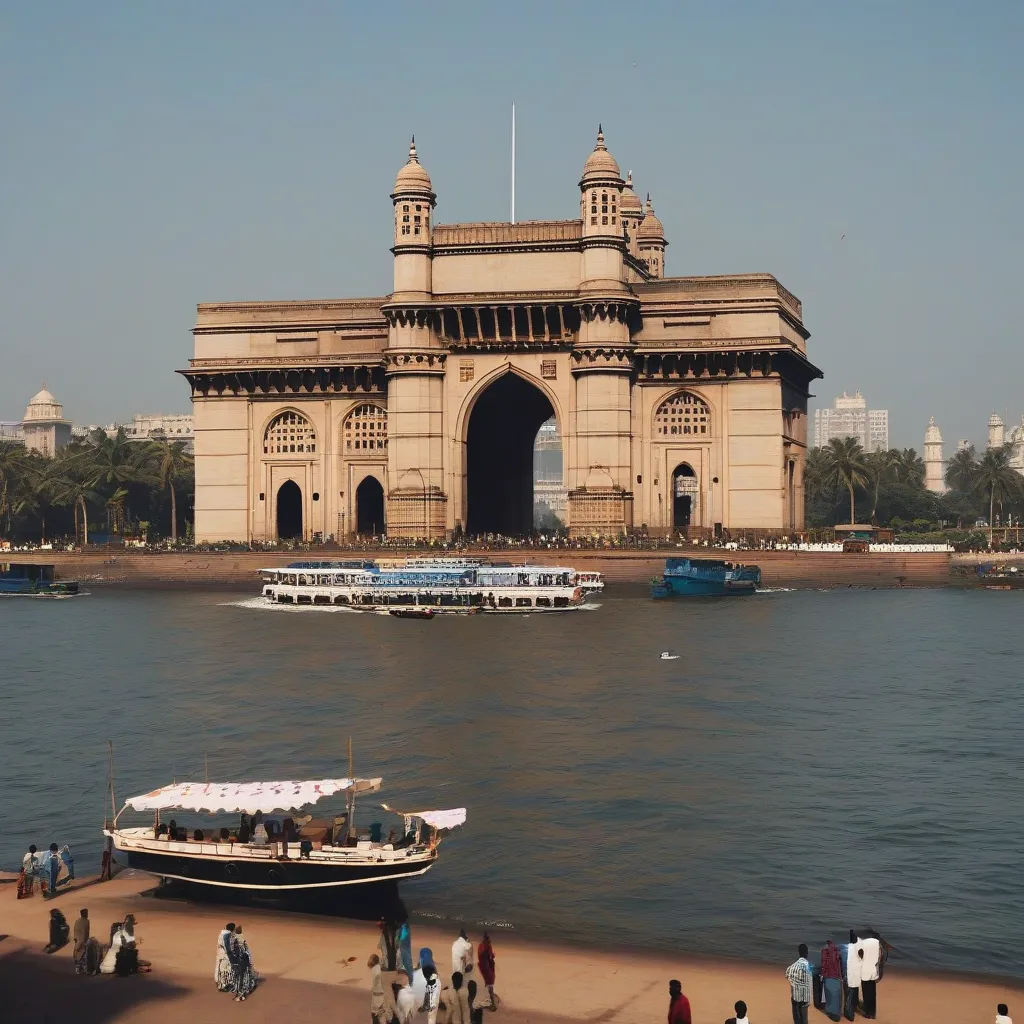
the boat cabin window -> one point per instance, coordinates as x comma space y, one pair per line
524, 602
543, 602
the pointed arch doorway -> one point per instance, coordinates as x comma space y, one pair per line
289, 511
500, 439
370, 508
685, 497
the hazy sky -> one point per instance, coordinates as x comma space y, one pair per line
160, 155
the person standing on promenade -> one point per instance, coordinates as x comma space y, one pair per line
223, 975
678, 1004
81, 933
1003, 1014
870, 954
799, 974
432, 992
832, 980
378, 1005
741, 1013
458, 1001
476, 1011
851, 975
404, 949
405, 1002
485, 958
386, 945
462, 954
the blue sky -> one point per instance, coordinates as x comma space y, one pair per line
156, 156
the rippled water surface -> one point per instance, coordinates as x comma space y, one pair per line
812, 761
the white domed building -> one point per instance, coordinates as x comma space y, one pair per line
44, 427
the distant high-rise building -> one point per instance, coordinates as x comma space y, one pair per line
549, 492
851, 417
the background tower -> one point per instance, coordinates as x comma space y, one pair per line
934, 466
598, 474
996, 431
414, 365
632, 211
651, 241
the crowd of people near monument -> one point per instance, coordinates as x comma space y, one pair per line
118, 956
49, 871
418, 990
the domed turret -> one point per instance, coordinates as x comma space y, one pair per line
44, 406
651, 241
413, 200
632, 213
413, 175
601, 165
932, 435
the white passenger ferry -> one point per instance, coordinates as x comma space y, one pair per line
426, 588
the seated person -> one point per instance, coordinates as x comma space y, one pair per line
225, 835
243, 834
305, 849
259, 836
198, 835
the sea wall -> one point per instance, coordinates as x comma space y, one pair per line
240, 569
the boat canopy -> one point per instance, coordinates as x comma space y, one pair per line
250, 797
451, 818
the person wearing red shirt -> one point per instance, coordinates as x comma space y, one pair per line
679, 1005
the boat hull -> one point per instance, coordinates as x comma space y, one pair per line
270, 875
668, 587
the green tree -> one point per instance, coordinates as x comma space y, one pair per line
76, 486
116, 461
12, 468
816, 471
879, 469
998, 479
846, 467
908, 466
961, 468
170, 464
45, 478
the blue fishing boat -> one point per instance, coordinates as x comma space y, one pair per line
26, 579
705, 577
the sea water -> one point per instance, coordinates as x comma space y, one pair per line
812, 761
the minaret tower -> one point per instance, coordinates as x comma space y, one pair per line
414, 202
598, 473
996, 431
934, 467
651, 241
415, 366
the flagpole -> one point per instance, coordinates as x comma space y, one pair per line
513, 213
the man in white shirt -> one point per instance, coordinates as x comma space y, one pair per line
870, 956
741, 1014
462, 954
405, 1002
852, 964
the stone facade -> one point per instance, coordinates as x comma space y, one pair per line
681, 402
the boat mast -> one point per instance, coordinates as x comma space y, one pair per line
352, 791
110, 778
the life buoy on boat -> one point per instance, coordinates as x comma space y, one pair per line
231, 870
183, 868
276, 876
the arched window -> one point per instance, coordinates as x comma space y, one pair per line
365, 430
289, 433
683, 414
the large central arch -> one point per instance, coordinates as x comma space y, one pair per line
500, 437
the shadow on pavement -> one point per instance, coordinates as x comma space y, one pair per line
37, 987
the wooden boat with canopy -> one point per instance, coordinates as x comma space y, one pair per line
289, 853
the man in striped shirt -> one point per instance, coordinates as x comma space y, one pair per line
799, 974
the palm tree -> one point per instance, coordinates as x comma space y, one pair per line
171, 463
997, 478
116, 460
46, 478
908, 467
815, 474
76, 487
961, 468
879, 468
847, 467
12, 466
